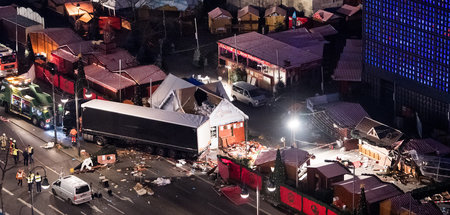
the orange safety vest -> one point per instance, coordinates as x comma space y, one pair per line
19, 175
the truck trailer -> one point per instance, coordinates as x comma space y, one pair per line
164, 132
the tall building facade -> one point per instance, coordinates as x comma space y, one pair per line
407, 56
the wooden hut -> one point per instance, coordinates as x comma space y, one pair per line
248, 18
219, 21
273, 16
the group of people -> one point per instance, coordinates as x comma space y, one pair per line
27, 154
30, 179
14, 150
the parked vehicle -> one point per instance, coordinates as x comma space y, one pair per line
72, 189
69, 120
8, 61
160, 131
19, 96
248, 94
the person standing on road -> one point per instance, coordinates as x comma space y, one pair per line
12, 145
30, 153
25, 156
15, 155
19, 176
30, 179
73, 133
38, 180
3, 139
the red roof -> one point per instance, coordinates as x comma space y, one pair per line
61, 36
143, 74
348, 10
263, 47
218, 12
111, 60
109, 80
350, 63
248, 9
289, 156
7, 11
374, 189
330, 170
275, 11
426, 146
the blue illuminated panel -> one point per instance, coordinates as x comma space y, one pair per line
410, 38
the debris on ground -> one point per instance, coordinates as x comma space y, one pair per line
48, 145
139, 188
161, 181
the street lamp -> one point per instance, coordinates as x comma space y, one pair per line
293, 125
271, 186
283, 140
45, 185
88, 95
244, 193
52, 69
78, 9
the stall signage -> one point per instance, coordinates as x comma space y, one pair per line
243, 54
291, 198
313, 208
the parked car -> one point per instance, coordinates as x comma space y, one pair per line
248, 94
72, 189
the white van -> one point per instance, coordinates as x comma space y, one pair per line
248, 94
72, 189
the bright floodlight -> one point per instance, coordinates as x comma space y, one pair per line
271, 186
293, 124
244, 193
88, 94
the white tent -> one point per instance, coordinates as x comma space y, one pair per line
165, 90
116, 4
226, 113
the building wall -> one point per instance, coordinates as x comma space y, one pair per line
219, 25
249, 22
272, 20
42, 44
409, 42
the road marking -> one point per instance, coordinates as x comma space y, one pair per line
116, 209
123, 198
8, 192
28, 205
95, 208
108, 200
55, 209
56, 196
83, 213
215, 207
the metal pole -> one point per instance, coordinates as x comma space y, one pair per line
257, 196
164, 24
321, 84
77, 117
150, 93
17, 42
32, 208
54, 108
353, 195
196, 33
120, 78
296, 169
235, 50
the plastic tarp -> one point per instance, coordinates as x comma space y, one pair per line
224, 171
251, 179
189, 120
164, 90
226, 113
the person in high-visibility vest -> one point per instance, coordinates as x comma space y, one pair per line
19, 176
15, 155
38, 180
73, 133
30, 179
3, 140
12, 145
30, 153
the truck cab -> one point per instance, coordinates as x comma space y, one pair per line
19, 96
